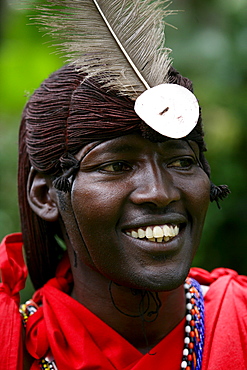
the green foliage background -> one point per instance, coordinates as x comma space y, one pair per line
210, 47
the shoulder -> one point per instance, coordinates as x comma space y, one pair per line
225, 318
222, 288
205, 277
221, 282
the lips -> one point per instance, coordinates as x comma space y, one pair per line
155, 233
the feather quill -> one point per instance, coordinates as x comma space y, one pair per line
119, 42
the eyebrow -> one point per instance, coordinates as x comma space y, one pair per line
177, 144
125, 147
120, 148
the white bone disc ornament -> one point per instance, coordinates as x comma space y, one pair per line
170, 109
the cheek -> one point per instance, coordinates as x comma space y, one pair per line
198, 199
195, 197
95, 204
93, 216
202, 193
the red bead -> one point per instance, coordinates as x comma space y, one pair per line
192, 334
192, 323
191, 345
190, 358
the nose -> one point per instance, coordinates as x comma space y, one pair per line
155, 186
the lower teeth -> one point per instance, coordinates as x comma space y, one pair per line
158, 240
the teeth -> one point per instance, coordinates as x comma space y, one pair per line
166, 230
149, 233
134, 234
141, 233
158, 232
155, 233
172, 232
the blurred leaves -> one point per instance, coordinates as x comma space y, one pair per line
210, 47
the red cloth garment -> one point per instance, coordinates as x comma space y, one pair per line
80, 340
225, 318
13, 277
93, 345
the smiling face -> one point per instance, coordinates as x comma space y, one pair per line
139, 208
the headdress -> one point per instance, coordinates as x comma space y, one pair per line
121, 44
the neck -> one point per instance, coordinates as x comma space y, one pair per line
143, 318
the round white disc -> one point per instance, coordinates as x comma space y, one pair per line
170, 109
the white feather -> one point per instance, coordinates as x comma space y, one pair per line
120, 42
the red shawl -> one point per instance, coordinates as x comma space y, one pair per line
13, 273
80, 340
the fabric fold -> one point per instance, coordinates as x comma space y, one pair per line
13, 277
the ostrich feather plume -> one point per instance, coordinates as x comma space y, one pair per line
120, 42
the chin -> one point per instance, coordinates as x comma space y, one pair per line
168, 278
159, 283
164, 286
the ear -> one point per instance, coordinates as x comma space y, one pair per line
42, 196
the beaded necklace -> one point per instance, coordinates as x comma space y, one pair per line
194, 328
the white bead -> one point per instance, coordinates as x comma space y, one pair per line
186, 286
186, 340
188, 295
188, 317
187, 329
184, 365
185, 352
189, 306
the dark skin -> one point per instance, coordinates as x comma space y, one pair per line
124, 185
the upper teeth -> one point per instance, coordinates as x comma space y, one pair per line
155, 233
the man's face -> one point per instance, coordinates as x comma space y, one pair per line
139, 208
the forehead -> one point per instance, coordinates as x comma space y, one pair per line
136, 144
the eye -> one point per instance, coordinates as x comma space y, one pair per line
115, 167
185, 162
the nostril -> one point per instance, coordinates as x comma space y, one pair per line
154, 184
158, 196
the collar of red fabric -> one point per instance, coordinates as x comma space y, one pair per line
80, 340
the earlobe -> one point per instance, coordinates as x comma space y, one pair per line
41, 196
